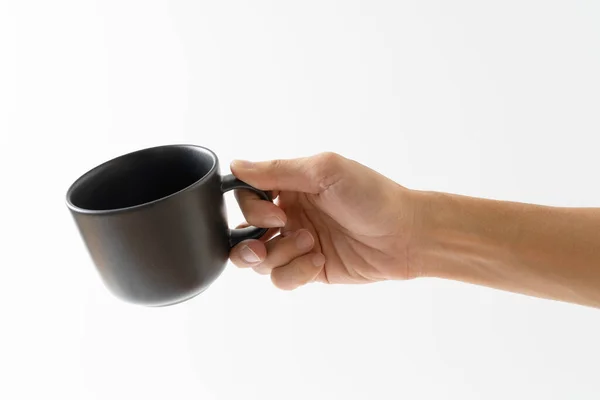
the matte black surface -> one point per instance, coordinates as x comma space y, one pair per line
230, 182
154, 222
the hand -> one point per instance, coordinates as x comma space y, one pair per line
334, 221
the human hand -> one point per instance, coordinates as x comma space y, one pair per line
334, 221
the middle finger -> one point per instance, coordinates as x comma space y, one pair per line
259, 212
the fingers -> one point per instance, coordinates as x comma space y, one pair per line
309, 175
253, 251
276, 252
298, 272
259, 212
283, 249
288, 258
248, 253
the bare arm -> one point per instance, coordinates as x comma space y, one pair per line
541, 251
361, 227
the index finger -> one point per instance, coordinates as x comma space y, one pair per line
309, 175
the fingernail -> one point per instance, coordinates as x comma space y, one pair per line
249, 256
318, 260
274, 222
304, 241
242, 164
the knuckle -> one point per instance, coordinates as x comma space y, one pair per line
328, 156
326, 169
327, 160
276, 164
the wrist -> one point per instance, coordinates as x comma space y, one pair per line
417, 230
422, 232
449, 237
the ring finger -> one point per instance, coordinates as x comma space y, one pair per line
281, 250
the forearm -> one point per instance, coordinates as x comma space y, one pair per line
536, 250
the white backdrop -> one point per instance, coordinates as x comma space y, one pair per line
491, 99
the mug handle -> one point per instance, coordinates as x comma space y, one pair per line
230, 182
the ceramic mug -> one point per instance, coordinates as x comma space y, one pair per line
154, 222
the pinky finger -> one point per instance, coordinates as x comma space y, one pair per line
298, 272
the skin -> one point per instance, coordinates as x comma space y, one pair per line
337, 221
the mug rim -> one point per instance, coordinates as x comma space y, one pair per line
78, 181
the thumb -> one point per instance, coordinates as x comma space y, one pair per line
309, 174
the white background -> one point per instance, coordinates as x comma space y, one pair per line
490, 99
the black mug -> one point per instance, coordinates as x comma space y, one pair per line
154, 222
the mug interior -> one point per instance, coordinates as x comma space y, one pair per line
141, 177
